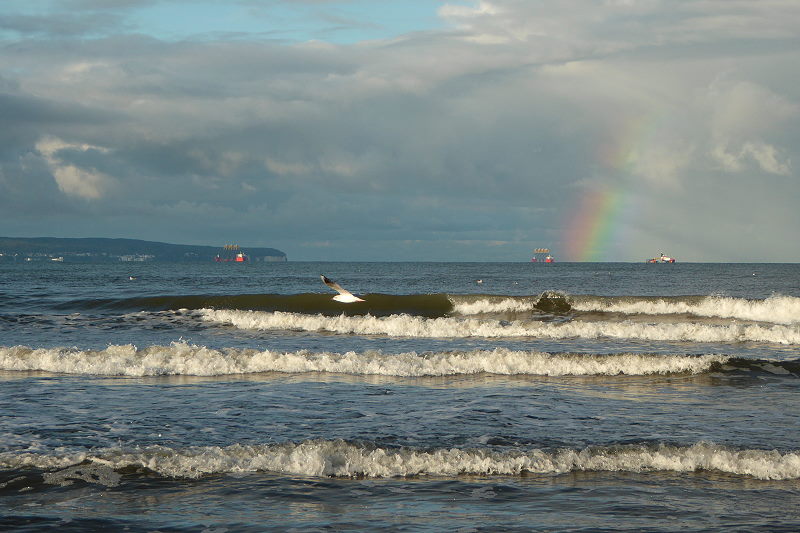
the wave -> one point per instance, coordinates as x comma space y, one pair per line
343, 459
548, 302
426, 305
776, 309
181, 358
452, 327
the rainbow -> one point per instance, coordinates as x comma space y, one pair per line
602, 216
590, 229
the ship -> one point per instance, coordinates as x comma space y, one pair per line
542, 255
661, 259
231, 253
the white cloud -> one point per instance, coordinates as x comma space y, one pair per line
71, 179
767, 158
743, 114
764, 155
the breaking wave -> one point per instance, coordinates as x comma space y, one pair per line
415, 326
776, 309
343, 459
427, 305
181, 358
547, 302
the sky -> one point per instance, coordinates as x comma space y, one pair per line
407, 130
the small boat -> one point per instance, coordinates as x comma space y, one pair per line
661, 259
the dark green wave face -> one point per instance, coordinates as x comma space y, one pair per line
425, 305
762, 367
554, 303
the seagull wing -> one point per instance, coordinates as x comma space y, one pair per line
344, 295
333, 285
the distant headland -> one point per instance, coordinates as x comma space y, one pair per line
99, 250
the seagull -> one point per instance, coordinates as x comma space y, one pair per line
344, 296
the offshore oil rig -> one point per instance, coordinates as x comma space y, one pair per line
231, 253
542, 255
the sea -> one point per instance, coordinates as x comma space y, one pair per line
465, 397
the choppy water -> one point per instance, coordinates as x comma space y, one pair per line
550, 397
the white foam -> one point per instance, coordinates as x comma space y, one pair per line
415, 326
181, 358
492, 305
336, 458
776, 309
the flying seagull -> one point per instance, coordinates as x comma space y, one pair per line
344, 296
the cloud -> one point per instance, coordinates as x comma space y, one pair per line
608, 26
744, 113
71, 179
469, 142
765, 155
64, 25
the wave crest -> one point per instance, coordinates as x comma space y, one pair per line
181, 358
337, 458
450, 327
428, 305
776, 309
550, 302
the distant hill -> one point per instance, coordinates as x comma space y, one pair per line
92, 250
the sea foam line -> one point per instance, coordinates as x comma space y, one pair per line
776, 309
414, 326
181, 358
337, 458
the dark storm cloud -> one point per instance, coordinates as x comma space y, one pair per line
22, 111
